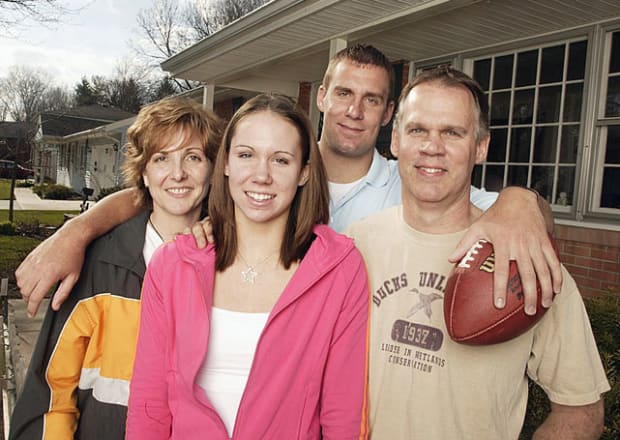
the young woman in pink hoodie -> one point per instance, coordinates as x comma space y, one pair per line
263, 335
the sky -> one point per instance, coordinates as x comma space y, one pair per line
89, 42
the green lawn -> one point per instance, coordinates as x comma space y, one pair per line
5, 189
14, 248
54, 218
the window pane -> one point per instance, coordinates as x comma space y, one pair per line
612, 151
482, 73
527, 63
497, 146
502, 75
576, 60
613, 97
549, 104
500, 108
572, 102
520, 144
536, 106
542, 181
523, 107
517, 175
569, 144
610, 195
494, 180
476, 176
614, 62
566, 183
552, 64
545, 144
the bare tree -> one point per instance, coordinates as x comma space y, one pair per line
57, 98
162, 33
26, 91
17, 14
208, 16
4, 108
169, 27
22, 92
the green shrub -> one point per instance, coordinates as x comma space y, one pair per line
604, 312
38, 190
107, 191
55, 192
7, 228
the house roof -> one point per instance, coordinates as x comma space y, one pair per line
78, 119
288, 41
15, 130
94, 111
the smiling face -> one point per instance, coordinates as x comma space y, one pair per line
264, 168
436, 143
355, 104
177, 178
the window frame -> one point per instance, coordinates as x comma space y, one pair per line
588, 169
600, 124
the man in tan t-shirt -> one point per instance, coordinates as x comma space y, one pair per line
422, 384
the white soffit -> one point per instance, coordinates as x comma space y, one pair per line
290, 41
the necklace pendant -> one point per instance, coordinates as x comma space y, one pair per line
248, 275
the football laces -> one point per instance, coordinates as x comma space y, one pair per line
471, 255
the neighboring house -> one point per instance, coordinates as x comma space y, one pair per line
81, 147
16, 141
551, 69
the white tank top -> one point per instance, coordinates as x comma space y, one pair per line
224, 372
152, 241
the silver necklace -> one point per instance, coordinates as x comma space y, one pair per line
249, 274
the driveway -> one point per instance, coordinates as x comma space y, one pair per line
26, 199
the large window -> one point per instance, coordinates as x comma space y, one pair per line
607, 173
555, 121
536, 97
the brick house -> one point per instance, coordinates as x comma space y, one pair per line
551, 70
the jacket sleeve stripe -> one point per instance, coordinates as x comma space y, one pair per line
99, 335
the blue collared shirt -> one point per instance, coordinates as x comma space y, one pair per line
380, 189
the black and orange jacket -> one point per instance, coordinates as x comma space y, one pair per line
77, 385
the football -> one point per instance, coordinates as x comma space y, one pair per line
471, 317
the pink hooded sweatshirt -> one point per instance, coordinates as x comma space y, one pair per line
308, 379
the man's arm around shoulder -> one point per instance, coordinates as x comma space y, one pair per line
60, 257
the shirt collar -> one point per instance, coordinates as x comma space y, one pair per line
379, 172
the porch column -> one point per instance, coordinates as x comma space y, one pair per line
335, 45
208, 96
313, 110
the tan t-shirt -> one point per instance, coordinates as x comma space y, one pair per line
425, 386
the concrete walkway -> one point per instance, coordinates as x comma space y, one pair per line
25, 199
23, 333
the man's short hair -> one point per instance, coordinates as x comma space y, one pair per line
450, 77
364, 55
